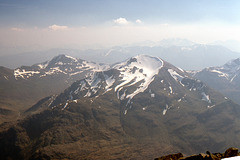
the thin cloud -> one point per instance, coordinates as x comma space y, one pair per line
121, 21
17, 29
57, 27
138, 21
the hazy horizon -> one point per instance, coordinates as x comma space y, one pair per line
41, 25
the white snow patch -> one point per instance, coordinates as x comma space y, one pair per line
139, 68
94, 82
65, 106
180, 69
75, 59
108, 52
220, 74
233, 77
128, 102
60, 63
181, 83
83, 87
175, 75
52, 71
206, 97
107, 91
72, 74
211, 106
152, 95
88, 94
165, 110
21, 73
94, 66
42, 66
52, 99
123, 95
171, 91
109, 81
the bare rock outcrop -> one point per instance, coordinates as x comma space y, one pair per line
231, 152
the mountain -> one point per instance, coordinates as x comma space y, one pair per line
29, 58
179, 52
224, 78
165, 43
59, 65
176, 42
140, 108
22, 87
231, 44
189, 57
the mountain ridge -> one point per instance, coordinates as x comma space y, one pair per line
223, 78
24, 86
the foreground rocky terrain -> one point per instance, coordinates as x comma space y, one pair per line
231, 152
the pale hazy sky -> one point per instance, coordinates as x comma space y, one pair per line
27, 25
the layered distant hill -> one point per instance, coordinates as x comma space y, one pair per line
137, 109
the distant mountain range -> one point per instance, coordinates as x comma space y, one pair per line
230, 44
179, 52
139, 108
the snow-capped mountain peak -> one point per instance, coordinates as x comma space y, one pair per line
141, 68
147, 63
61, 64
228, 71
139, 76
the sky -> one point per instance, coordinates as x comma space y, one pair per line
28, 25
